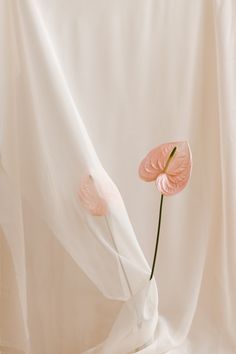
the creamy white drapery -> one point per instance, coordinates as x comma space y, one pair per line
139, 73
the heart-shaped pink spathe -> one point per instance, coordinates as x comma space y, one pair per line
90, 197
171, 174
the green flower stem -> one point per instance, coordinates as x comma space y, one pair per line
124, 272
158, 235
160, 214
119, 257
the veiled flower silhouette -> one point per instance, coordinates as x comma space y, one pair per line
169, 165
90, 197
171, 172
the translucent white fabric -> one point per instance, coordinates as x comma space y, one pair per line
139, 74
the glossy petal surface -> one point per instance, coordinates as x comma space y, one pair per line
171, 175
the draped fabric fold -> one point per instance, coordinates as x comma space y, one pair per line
43, 162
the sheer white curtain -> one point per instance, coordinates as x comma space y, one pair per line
139, 73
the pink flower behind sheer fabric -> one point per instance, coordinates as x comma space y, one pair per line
90, 197
171, 173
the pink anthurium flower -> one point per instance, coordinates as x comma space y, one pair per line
169, 165
90, 197
171, 172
